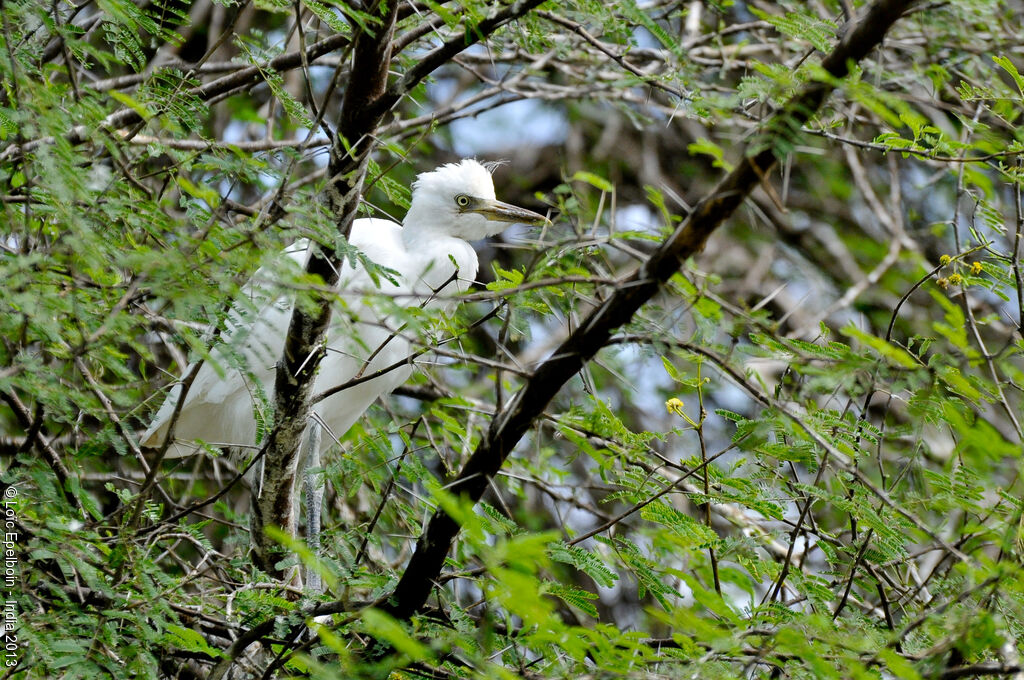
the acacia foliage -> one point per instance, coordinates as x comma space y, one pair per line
800, 458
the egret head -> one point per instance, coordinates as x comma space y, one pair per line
458, 200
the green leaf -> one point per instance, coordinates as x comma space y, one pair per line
210, 196
326, 15
705, 146
593, 180
587, 562
693, 532
7, 126
190, 641
132, 103
573, 596
898, 666
387, 629
896, 355
813, 29
1007, 65
505, 278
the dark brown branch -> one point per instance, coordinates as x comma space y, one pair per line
512, 422
304, 343
439, 56
975, 670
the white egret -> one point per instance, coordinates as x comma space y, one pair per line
450, 207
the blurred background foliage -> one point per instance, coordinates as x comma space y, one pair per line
801, 459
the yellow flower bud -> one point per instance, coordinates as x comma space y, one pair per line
955, 279
944, 260
976, 268
674, 405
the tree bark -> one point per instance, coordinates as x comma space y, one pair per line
307, 330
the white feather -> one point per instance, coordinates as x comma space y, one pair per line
220, 405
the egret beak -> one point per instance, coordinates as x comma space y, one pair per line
496, 211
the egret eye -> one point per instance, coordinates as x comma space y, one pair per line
462, 200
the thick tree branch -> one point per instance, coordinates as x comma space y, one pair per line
304, 343
512, 422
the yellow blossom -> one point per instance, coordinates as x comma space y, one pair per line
976, 268
675, 405
942, 283
955, 279
944, 260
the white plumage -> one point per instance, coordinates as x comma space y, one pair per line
451, 206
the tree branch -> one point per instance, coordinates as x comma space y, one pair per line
512, 422
304, 343
443, 53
